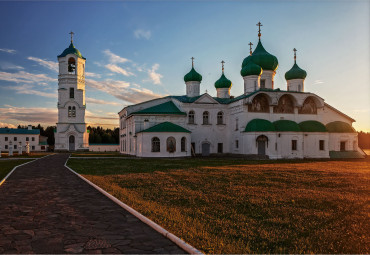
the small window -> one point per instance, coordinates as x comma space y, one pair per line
193, 147
69, 111
220, 147
322, 145
171, 144
71, 66
262, 84
33, 148
220, 118
6, 138
294, 145
191, 117
237, 144
236, 124
15, 146
73, 111
15, 138
205, 118
6, 147
71, 93
183, 144
156, 145
33, 139
27, 139
342, 146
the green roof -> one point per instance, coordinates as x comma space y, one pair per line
286, 125
345, 154
43, 143
19, 131
223, 82
312, 126
339, 127
165, 108
251, 69
246, 61
295, 73
259, 125
71, 50
193, 76
264, 59
166, 127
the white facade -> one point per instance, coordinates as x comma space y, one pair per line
71, 132
104, 147
16, 138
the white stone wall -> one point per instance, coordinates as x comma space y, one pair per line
104, 147
295, 85
34, 145
192, 88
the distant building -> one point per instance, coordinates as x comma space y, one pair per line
20, 137
263, 121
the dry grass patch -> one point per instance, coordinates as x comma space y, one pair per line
247, 207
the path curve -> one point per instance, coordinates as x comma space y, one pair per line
45, 208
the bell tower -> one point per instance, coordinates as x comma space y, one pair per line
71, 133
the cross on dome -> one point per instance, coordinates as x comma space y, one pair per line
222, 62
250, 47
295, 54
71, 33
259, 24
192, 61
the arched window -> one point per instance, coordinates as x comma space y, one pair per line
205, 118
183, 144
220, 118
71, 93
285, 105
171, 144
308, 107
191, 117
156, 144
73, 111
236, 124
71, 66
260, 103
69, 111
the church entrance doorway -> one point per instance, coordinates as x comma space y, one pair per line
206, 149
261, 145
72, 143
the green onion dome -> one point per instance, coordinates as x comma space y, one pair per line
193, 76
71, 50
246, 61
264, 59
223, 82
251, 69
295, 73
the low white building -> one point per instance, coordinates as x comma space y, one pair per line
263, 121
20, 137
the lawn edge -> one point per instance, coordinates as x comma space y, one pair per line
7, 176
178, 241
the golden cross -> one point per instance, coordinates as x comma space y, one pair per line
71, 33
192, 61
222, 62
250, 47
295, 54
259, 24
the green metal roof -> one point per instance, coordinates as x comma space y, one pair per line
165, 108
71, 50
339, 127
345, 154
251, 69
312, 126
193, 76
286, 125
295, 73
259, 125
223, 82
19, 131
264, 59
166, 127
246, 61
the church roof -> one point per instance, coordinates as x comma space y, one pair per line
166, 127
286, 125
193, 76
223, 82
312, 126
261, 57
259, 125
165, 108
339, 127
19, 131
295, 73
71, 50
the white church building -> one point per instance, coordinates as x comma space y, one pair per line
71, 133
264, 121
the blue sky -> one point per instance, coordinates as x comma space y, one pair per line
139, 50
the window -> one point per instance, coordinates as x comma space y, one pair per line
15, 146
220, 147
237, 144
255, 85
183, 144
321, 145
342, 146
33, 148
193, 147
171, 144
220, 118
6, 138
191, 117
205, 118
262, 84
27, 139
6, 147
294, 145
69, 111
71, 93
33, 139
73, 111
156, 144
71, 66
236, 124
15, 138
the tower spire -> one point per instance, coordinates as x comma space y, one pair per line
295, 55
71, 33
222, 62
192, 62
259, 24
250, 48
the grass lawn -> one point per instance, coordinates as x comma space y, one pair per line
7, 165
31, 155
97, 154
223, 205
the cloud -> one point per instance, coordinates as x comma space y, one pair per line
93, 75
52, 65
99, 101
318, 82
8, 125
8, 51
140, 33
10, 66
25, 77
122, 90
29, 114
154, 76
117, 69
113, 58
28, 89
